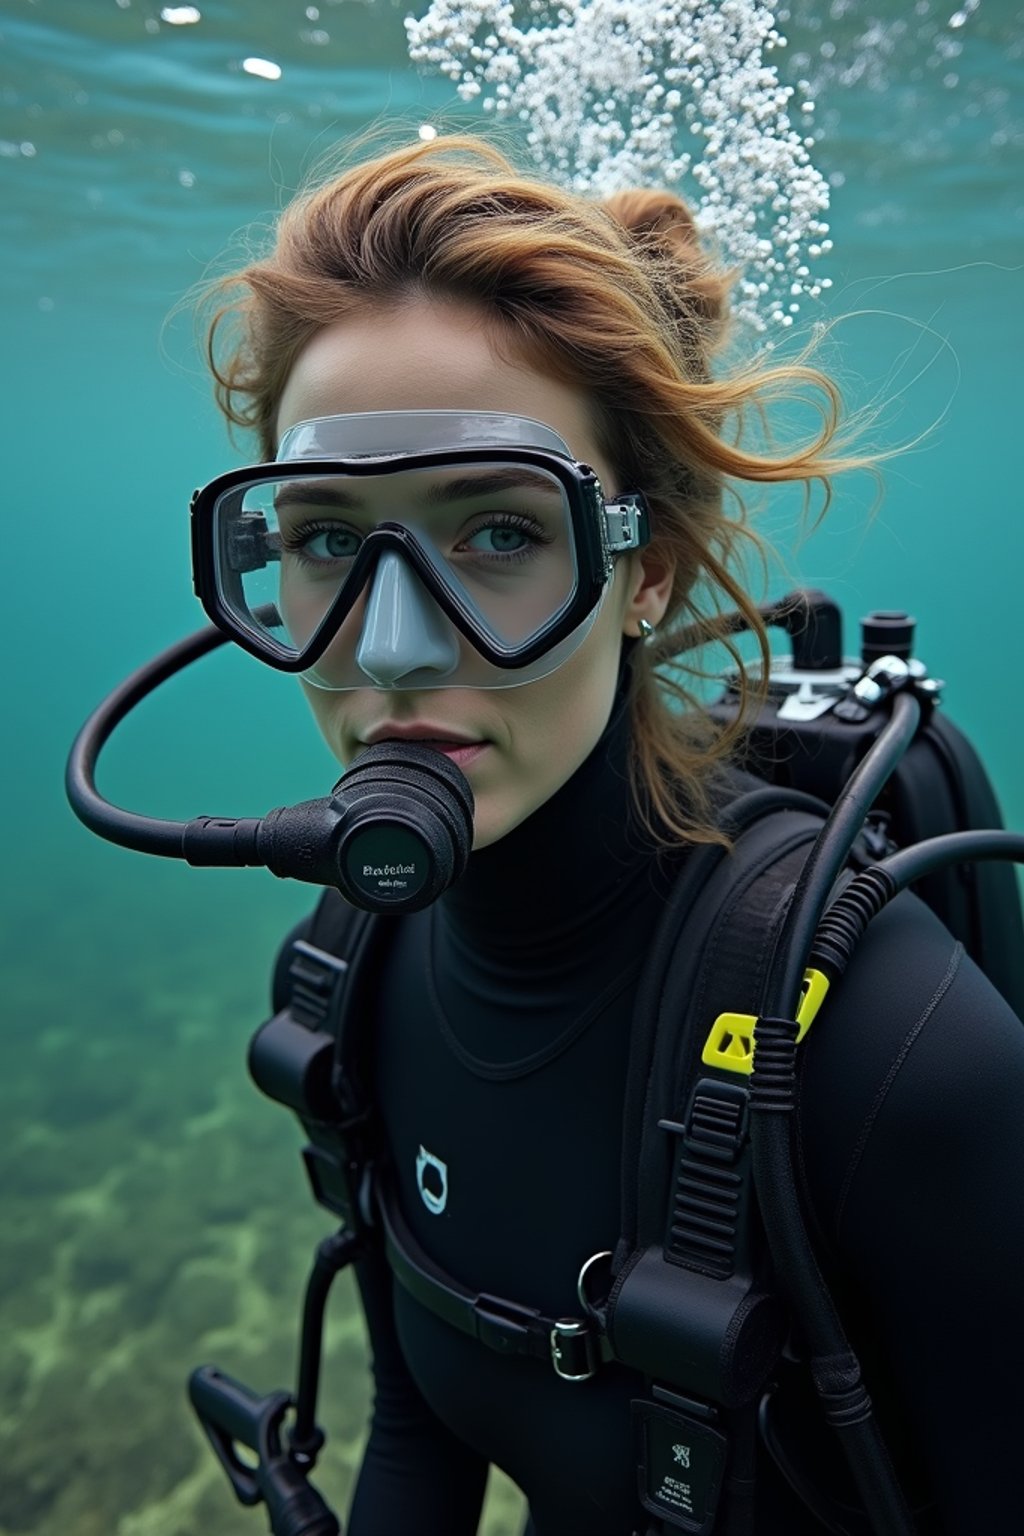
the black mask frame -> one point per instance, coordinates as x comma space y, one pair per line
595, 545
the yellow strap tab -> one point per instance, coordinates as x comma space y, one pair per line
811, 998
730, 1045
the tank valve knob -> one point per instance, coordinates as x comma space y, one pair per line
887, 632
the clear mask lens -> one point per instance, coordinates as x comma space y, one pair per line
495, 538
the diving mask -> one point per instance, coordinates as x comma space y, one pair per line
410, 549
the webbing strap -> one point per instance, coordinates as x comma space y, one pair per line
337, 927
711, 954
704, 1224
574, 1347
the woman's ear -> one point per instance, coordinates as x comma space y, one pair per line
651, 576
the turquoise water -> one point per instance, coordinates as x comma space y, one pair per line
153, 1208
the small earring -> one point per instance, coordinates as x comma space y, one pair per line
646, 631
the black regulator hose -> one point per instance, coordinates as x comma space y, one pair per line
143, 834
843, 925
830, 852
923, 859
834, 1366
394, 833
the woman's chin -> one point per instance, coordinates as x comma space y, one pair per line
487, 830
491, 822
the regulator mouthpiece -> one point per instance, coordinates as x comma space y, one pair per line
406, 827
393, 834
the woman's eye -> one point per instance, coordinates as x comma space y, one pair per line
325, 543
334, 544
499, 540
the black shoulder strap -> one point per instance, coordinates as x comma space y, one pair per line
709, 955
692, 1305
335, 926
308, 1057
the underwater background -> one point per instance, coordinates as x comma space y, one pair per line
153, 1211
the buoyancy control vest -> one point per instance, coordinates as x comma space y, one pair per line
689, 1298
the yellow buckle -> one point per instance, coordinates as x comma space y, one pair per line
730, 1045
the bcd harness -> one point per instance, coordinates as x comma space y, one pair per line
686, 1298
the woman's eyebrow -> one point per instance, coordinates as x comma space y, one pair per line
315, 493
463, 488
489, 484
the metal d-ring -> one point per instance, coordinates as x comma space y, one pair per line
585, 1303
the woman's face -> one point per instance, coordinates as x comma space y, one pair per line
518, 745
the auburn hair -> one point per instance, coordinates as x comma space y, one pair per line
614, 297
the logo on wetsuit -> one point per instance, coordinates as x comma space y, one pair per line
434, 1194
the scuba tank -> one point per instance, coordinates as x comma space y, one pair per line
811, 732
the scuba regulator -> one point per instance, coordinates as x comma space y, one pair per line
395, 832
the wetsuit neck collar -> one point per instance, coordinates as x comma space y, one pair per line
565, 868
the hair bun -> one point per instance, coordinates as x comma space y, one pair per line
660, 222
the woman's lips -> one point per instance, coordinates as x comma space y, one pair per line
459, 752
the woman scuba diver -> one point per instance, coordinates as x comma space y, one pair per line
493, 494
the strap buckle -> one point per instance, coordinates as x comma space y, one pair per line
572, 1347
627, 522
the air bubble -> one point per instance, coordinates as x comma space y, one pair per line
605, 92
263, 69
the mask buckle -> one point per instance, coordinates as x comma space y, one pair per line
627, 523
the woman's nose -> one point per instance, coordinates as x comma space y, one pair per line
403, 631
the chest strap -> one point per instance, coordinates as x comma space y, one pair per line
574, 1347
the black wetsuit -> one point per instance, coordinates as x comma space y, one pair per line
501, 1040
